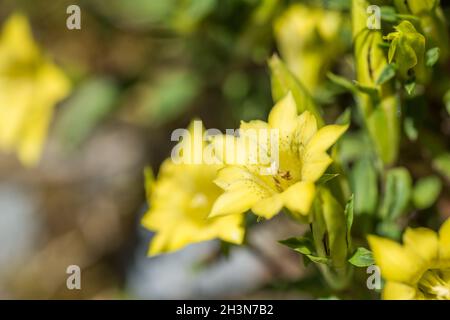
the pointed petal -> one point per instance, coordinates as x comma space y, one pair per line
299, 197
397, 263
325, 138
398, 291
231, 228
306, 128
283, 115
254, 124
314, 166
239, 198
158, 243
423, 241
17, 37
268, 207
230, 150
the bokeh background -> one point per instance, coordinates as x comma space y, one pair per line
141, 69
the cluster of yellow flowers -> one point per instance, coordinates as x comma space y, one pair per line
197, 202
194, 202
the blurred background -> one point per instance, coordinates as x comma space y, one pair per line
140, 69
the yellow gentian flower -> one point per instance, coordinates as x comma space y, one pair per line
30, 86
308, 40
180, 202
418, 269
302, 161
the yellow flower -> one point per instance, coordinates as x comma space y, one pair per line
418, 269
30, 86
180, 203
289, 181
308, 39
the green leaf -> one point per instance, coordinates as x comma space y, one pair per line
383, 125
387, 74
329, 228
389, 229
345, 117
410, 87
447, 101
170, 96
320, 260
388, 14
342, 82
397, 193
327, 177
426, 191
91, 103
365, 186
303, 245
410, 129
349, 218
362, 258
442, 164
407, 48
283, 82
371, 91
432, 56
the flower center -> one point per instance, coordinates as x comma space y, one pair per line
433, 286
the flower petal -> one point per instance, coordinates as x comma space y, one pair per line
314, 166
306, 128
398, 291
159, 243
254, 125
299, 197
268, 207
423, 241
234, 201
231, 228
325, 138
397, 263
444, 241
283, 115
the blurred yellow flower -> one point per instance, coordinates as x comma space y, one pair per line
308, 39
30, 86
418, 269
265, 188
180, 202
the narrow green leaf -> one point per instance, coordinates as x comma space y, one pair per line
365, 186
349, 218
432, 56
410, 129
342, 82
327, 177
387, 74
345, 117
302, 245
397, 193
410, 87
316, 259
